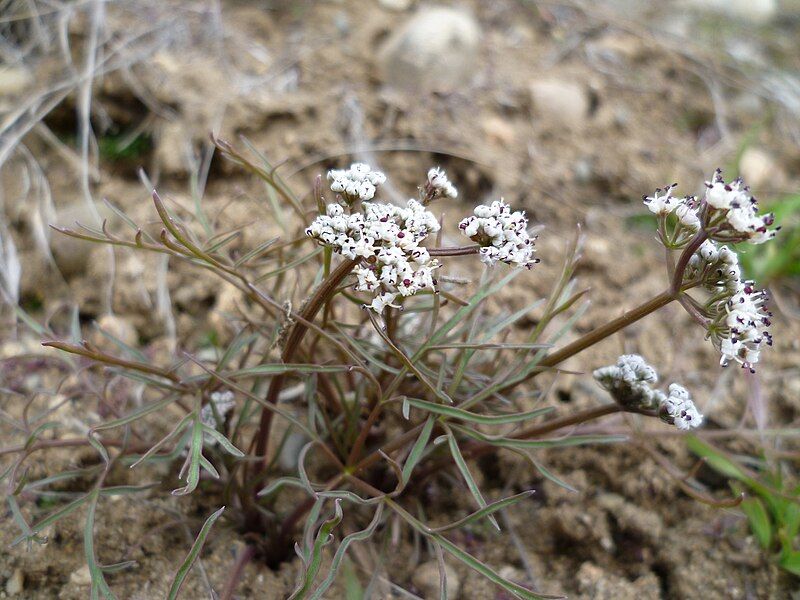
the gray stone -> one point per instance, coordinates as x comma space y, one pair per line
14, 80
559, 101
751, 11
16, 583
758, 168
396, 5
426, 580
436, 49
71, 254
82, 577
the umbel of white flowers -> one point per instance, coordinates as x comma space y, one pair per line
630, 384
501, 233
727, 211
736, 312
388, 238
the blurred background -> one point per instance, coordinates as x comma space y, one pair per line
571, 110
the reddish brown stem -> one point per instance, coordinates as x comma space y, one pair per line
245, 555
298, 332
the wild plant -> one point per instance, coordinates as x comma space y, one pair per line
364, 370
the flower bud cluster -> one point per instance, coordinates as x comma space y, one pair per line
359, 182
630, 383
738, 316
438, 186
388, 238
501, 233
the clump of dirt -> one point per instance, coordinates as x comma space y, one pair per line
568, 114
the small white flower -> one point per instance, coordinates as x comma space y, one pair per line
740, 210
439, 186
501, 233
381, 301
359, 182
662, 202
687, 214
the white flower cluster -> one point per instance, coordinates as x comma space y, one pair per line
389, 238
740, 209
679, 409
662, 202
728, 211
222, 403
439, 186
739, 319
359, 182
501, 233
630, 384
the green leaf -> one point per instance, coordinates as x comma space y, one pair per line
572, 440
135, 415
791, 562
463, 415
191, 467
462, 467
280, 368
323, 538
342, 549
715, 459
791, 520
99, 585
486, 511
223, 441
757, 515
417, 449
50, 519
194, 552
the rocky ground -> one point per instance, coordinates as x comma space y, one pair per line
571, 112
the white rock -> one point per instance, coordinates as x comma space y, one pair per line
14, 80
499, 131
118, 327
16, 583
758, 169
81, 577
396, 5
752, 11
436, 49
173, 149
290, 451
563, 102
426, 580
71, 254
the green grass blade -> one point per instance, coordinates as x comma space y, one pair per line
417, 449
464, 469
342, 549
463, 415
194, 552
323, 538
486, 511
